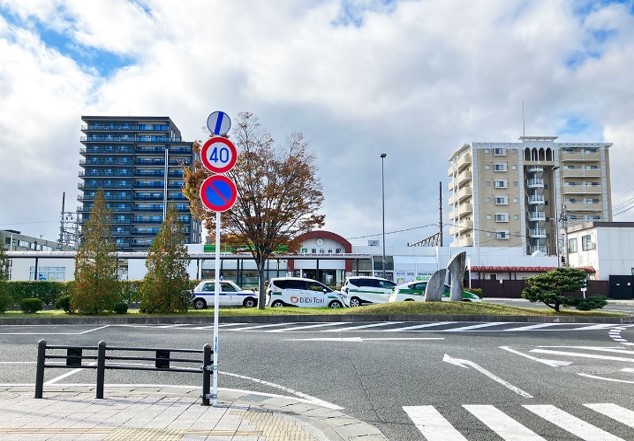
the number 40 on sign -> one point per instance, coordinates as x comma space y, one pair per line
218, 154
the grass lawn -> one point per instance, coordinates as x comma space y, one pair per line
398, 308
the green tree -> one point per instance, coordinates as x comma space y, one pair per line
4, 274
165, 286
550, 287
96, 285
279, 194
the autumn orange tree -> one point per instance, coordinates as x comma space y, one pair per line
164, 287
96, 287
279, 194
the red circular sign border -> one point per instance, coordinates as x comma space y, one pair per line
208, 204
208, 165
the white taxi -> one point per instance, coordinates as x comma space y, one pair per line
300, 292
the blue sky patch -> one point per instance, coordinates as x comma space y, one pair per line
88, 58
578, 127
352, 12
587, 7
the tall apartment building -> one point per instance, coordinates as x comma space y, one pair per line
524, 194
138, 162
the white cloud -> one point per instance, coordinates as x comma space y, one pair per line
414, 80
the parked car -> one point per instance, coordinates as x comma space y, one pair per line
300, 292
362, 290
230, 295
415, 291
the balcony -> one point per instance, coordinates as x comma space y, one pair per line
154, 208
108, 162
128, 138
537, 233
581, 189
464, 193
102, 184
535, 169
535, 183
580, 173
148, 196
536, 216
108, 197
149, 184
106, 173
106, 150
537, 199
464, 161
464, 209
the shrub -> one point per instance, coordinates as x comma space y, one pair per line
31, 306
476, 291
5, 301
63, 302
120, 308
594, 301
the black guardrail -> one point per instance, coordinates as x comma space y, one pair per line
104, 357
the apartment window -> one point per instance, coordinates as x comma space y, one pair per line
56, 273
499, 152
516, 183
502, 235
488, 200
488, 183
487, 150
514, 167
516, 217
500, 183
501, 200
515, 200
500, 167
487, 167
501, 217
572, 245
586, 243
489, 217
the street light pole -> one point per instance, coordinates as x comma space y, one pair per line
383, 155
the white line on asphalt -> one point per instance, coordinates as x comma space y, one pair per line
318, 325
220, 325
613, 380
432, 424
617, 349
627, 370
578, 354
614, 411
67, 374
416, 327
502, 424
287, 390
572, 424
94, 329
492, 376
250, 328
553, 363
532, 327
361, 340
593, 327
355, 328
469, 328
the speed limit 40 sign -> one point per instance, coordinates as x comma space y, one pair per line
218, 154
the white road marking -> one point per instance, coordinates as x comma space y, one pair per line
570, 423
467, 363
613, 380
618, 349
318, 325
593, 327
533, 327
250, 328
502, 424
469, 328
580, 355
356, 328
286, 389
552, 363
432, 424
614, 411
415, 327
361, 340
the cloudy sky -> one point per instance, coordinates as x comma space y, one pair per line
414, 79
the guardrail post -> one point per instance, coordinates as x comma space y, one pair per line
101, 368
206, 374
39, 373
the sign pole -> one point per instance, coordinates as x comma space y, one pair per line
214, 392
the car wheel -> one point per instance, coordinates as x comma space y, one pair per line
335, 304
249, 302
409, 300
277, 304
354, 302
200, 304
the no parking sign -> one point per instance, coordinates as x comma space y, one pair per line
218, 193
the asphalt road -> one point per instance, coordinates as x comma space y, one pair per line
466, 377
622, 306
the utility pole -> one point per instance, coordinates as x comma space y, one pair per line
564, 220
440, 205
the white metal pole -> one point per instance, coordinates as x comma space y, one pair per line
214, 392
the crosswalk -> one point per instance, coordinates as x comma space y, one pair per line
435, 427
405, 327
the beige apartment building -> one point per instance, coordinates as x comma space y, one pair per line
525, 194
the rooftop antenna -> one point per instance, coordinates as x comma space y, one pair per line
523, 121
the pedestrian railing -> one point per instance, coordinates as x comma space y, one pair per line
103, 357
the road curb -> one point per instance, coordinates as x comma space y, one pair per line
165, 320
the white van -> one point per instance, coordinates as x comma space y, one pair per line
230, 295
300, 292
362, 290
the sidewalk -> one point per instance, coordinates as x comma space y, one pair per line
169, 413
